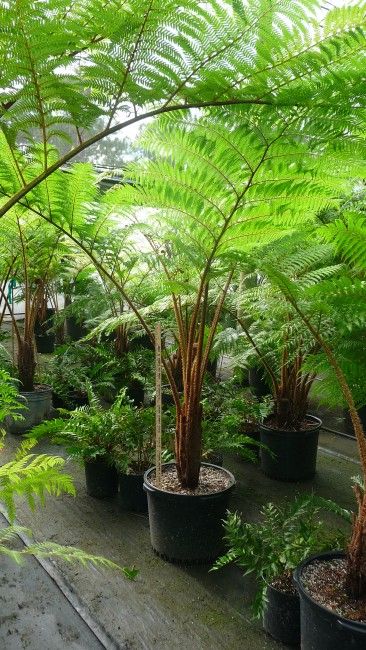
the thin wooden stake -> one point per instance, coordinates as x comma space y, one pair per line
12, 326
158, 408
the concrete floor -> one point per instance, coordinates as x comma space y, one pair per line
167, 607
34, 614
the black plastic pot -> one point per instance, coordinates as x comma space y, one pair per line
135, 392
45, 340
101, 478
132, 496
281, 616
75, 400
186, 528
75, 330
37, 407
41, 327
293, 453
45, 343
321, 628
257, 382
255, 435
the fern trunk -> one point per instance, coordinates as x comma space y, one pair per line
356, 555
120, 342
26, 364
189, 444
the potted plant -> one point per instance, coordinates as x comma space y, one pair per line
193, 261
91, 434
74, 367
134, 455
332, 586
272, 548
33, 260
278, 338
33, 477
231, 421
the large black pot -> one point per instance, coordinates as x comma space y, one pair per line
132, 496
45, 340
74, 400
258, 382
75, 330
187, 528
37, 407
41, 327
101, 478
45, 343
321, 628
135, 392
292, 455
281, 616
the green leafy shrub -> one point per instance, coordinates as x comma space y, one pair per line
230, 416
121, 434
32, 477
284, 537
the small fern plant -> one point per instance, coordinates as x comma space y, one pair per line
33, 477
285, 536
10, 400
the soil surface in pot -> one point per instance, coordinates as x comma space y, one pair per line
325, 581
285, 583
210, 480
305, 425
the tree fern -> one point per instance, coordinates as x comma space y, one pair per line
142, 58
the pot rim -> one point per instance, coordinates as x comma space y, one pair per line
149, 487
304, 593
318, 424
38, 388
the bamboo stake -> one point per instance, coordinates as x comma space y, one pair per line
12, 326
158, 403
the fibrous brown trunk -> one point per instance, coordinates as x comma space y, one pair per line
26, 364
60, 334
120, 342
356, 551
189, 444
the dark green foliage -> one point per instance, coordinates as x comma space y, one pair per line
122, 434
283, 537
230, 415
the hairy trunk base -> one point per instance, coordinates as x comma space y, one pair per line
356, 555
290, 415
26, 365
189, 445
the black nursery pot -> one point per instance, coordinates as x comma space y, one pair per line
132, 496
185, 528
45, 340
293, 452
257, 382
75, 330
281, 616
36, 407
101, 478
322, 628
75, 399
45, 343
135, 392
